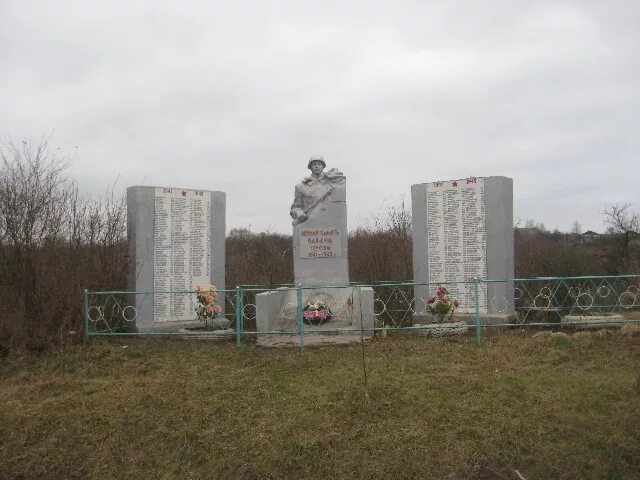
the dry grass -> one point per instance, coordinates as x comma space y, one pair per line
632, 315
549, 406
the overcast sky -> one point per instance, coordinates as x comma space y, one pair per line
235, 96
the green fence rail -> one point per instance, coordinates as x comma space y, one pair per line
542, 302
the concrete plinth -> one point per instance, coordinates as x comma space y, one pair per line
327, 223
352, 309
311, 340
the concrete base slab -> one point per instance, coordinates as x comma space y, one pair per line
175, 327
311, 340
592, 321
442, 329
468, 318
222, 335
352, 307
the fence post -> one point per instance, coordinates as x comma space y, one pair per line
239, 316
476, 287
300, 318
85, 312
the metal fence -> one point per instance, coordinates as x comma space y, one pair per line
251, 313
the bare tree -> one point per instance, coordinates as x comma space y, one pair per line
32, 194
53, 244
624, 226
531, 224
33, 197
382, 250
263, 258
576, 228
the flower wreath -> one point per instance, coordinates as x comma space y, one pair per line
316, 313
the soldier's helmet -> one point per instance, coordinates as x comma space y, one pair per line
316, 158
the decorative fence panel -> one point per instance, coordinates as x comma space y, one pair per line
251, 313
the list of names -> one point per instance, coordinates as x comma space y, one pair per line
456, 238
182, 250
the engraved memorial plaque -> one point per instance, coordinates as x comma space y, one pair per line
321, 242
456, 235
182, 250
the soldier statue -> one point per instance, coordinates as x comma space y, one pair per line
315, 189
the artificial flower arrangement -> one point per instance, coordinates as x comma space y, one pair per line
441, 304
316, 313
207, 308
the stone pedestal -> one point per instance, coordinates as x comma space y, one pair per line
320, 244
463, 229
352, 309
320, 261
176, 241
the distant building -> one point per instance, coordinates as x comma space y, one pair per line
588, 237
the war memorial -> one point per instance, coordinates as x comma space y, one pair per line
462, 231
321, 268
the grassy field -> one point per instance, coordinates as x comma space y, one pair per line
546, 406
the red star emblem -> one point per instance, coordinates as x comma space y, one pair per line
184, 194
455, 184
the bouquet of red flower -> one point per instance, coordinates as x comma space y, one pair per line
316, 313
440, 305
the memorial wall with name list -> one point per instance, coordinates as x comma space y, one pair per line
463, 230
182, 250
176, 241
456, 238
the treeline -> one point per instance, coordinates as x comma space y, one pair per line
383, 250
54, 243
380, 250
539, 252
